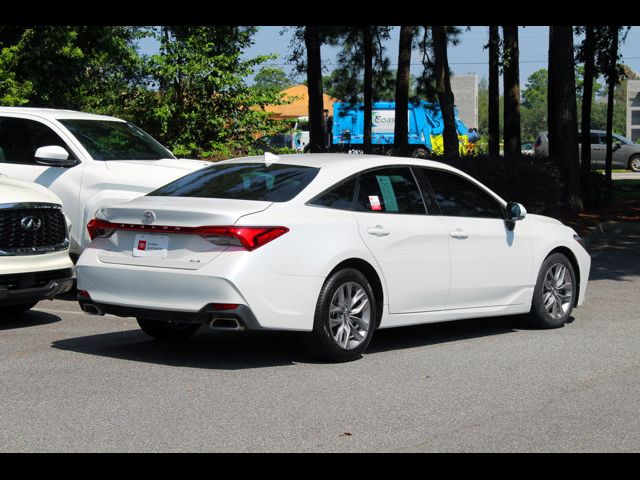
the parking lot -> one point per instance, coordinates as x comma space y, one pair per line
73, 382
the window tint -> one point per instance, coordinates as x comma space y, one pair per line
20, 138
339, 196
112, 140
242, 181
389, 190
594, 138
458, 197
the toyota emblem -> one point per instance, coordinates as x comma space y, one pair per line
148, 217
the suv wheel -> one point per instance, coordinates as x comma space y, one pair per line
345, 317
634, 163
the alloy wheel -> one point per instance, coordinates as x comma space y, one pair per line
557, 291
349, 315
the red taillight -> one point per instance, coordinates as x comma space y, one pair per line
224, 306
538, 142
247, 237
99, 228
83, 294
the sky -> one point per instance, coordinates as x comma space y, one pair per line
468, 57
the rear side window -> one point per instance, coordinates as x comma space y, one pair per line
339, 197
458, 197
242, 181
389, 190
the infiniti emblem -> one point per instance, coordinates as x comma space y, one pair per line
148, 217
30, 224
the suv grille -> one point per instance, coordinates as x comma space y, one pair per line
27, 229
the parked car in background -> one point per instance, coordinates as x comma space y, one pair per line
331, 244
87, 160
34, 246
527, 148
626, 154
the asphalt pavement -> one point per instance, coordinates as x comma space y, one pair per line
73, 382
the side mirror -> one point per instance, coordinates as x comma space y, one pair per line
515, 211
53, 156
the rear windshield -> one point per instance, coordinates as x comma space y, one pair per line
242, 181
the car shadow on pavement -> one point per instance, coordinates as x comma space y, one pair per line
206, 349
27, 319
444, 332
238, 351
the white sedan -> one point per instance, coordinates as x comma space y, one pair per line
334, 245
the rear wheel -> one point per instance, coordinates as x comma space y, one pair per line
168, 331
345, 317
634, 163
555, 293
17, 309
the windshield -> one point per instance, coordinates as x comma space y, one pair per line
112, 140
622, 139
242, 181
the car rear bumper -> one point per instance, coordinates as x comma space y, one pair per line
23, 288
238, 318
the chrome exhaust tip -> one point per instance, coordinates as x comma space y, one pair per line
225, 324
92, 309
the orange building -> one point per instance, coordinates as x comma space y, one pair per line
299, 106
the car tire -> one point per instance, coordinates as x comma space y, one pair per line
18, 309
345, 317
168, 331
553, 298
634, 163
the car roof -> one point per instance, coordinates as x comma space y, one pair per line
340, 160
56, 114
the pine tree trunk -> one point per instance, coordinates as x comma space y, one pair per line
401, 127
367, 38
314, 85
612, 78
511, 77
585, 124
494, 92
563, 116
445, 95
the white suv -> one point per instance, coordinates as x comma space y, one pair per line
34, 246
88, 160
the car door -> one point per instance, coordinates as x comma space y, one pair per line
490, 264
598, 150
409, 244
19, 140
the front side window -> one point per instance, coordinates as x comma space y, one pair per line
458, 197
389, 190
242, 181
20, 138
113, 140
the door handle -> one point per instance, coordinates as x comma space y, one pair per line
459, 234
378, 231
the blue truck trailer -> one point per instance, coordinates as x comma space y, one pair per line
425, 128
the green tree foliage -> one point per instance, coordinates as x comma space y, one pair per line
271, 78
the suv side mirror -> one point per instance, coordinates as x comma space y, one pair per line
514, 212
53, 156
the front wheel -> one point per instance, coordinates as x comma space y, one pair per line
554, 294
168, 331
634, 163
345, 317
